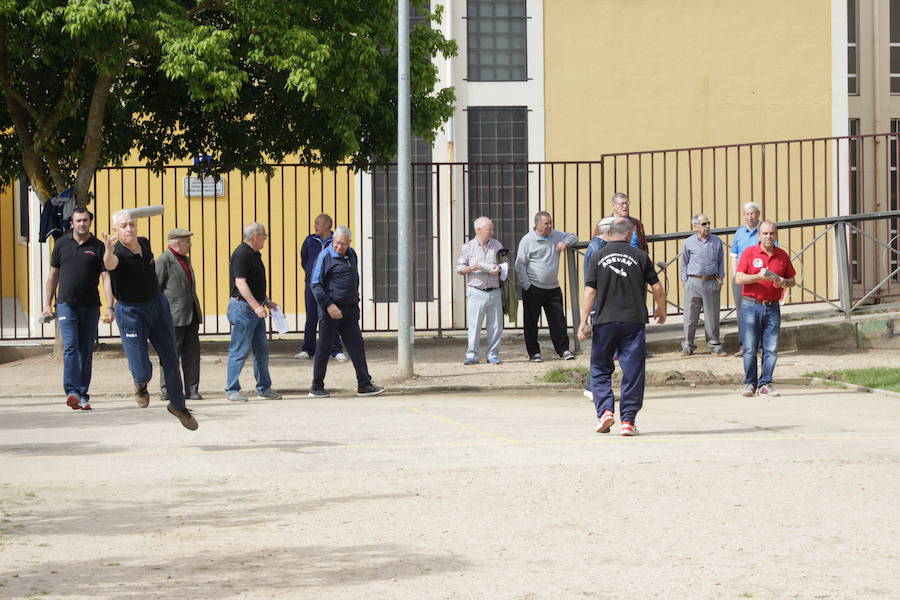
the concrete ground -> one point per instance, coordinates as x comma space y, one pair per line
497, 494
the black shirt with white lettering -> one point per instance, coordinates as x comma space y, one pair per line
80, 266
620, 273
134, 278
247, 263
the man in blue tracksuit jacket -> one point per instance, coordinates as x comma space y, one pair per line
335, 283
309, 255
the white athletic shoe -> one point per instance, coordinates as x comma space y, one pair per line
341, 357
303, 355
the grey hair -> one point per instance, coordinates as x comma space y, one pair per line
696, 218
754, 206
481, 222
620, 227
541, 214
118, 214
603, 225
252, 229
618, 195
343, 230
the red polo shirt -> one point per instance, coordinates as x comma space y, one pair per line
753, 260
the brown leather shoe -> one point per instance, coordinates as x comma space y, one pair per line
141, 395
185, 416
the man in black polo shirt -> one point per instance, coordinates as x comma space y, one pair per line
247, 315
143, 314
77, 265
617, 279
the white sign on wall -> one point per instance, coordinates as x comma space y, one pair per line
206, 187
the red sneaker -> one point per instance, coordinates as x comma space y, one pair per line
605, 421
628, 428
72, 401
86, 406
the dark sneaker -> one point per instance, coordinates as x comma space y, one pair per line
535, 357
605, 422
268, 393
369, 389
72, 401
322, 393
185, 416
141, 395
567, 355
194, 396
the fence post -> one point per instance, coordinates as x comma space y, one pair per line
574, 295
843, 267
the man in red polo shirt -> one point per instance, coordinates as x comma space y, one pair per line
765, 271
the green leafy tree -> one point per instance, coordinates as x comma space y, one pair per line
86, 82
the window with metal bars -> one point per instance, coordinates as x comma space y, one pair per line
498, 171
852, 48
496, 40
385, 233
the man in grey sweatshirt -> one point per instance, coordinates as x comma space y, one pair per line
537, 273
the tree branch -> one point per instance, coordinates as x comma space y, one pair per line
93, 137
47, 126
208, 5
52, 159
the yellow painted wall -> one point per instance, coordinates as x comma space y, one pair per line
286, 204
640, 75
13, 255
625, 75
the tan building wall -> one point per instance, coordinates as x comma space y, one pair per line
653, 74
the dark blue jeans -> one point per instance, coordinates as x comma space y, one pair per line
151, 321
248, 332
312, 321
760, 326
348, 327
78, 330
629, 341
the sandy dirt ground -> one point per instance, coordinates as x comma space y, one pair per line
505, 492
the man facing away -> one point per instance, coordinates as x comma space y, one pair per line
179, 286
617, 281
143, 314
746, 236
313, 245
77, 265
335, 282
478, 262
537, 271
702, 274
247, 315
764, 271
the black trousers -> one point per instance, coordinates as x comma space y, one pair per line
533, 300
187, 340
348, 328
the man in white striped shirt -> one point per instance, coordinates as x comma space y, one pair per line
478, 262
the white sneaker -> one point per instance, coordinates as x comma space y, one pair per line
341, 357
589, 395
304, 355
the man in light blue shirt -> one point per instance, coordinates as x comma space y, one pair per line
702, 274
746, 236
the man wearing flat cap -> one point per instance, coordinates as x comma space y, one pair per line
178, 284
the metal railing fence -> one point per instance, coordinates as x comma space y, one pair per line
792, 180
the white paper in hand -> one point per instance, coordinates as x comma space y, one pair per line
278, 319
504, 271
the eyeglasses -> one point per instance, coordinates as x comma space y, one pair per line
704, 223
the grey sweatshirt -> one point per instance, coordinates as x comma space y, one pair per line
537, 261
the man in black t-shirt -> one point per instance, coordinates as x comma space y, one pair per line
247, 315
617, 280
77, 265
143, 315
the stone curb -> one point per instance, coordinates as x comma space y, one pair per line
852, 386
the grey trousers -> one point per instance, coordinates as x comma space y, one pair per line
703, 292
487, 306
